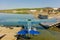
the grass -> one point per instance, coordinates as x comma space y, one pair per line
21, 13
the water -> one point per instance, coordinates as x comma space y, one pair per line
21, 19
14, 19
15, 16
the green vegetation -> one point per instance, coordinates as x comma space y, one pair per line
19, 11
27, 10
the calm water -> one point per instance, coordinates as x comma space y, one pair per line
21, 19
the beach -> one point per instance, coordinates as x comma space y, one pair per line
9, 33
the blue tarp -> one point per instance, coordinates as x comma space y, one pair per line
22, 32
33, 32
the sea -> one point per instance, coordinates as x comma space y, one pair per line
12, 19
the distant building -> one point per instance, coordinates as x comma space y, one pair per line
55, 8
33, 10
58, 9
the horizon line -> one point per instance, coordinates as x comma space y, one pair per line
27, 7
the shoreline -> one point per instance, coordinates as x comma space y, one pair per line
10, 33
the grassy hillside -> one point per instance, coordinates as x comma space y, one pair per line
24, 10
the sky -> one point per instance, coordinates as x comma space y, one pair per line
13, 4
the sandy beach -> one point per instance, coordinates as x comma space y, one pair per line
9, 33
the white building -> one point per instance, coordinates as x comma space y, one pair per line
33, 10
55, 8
